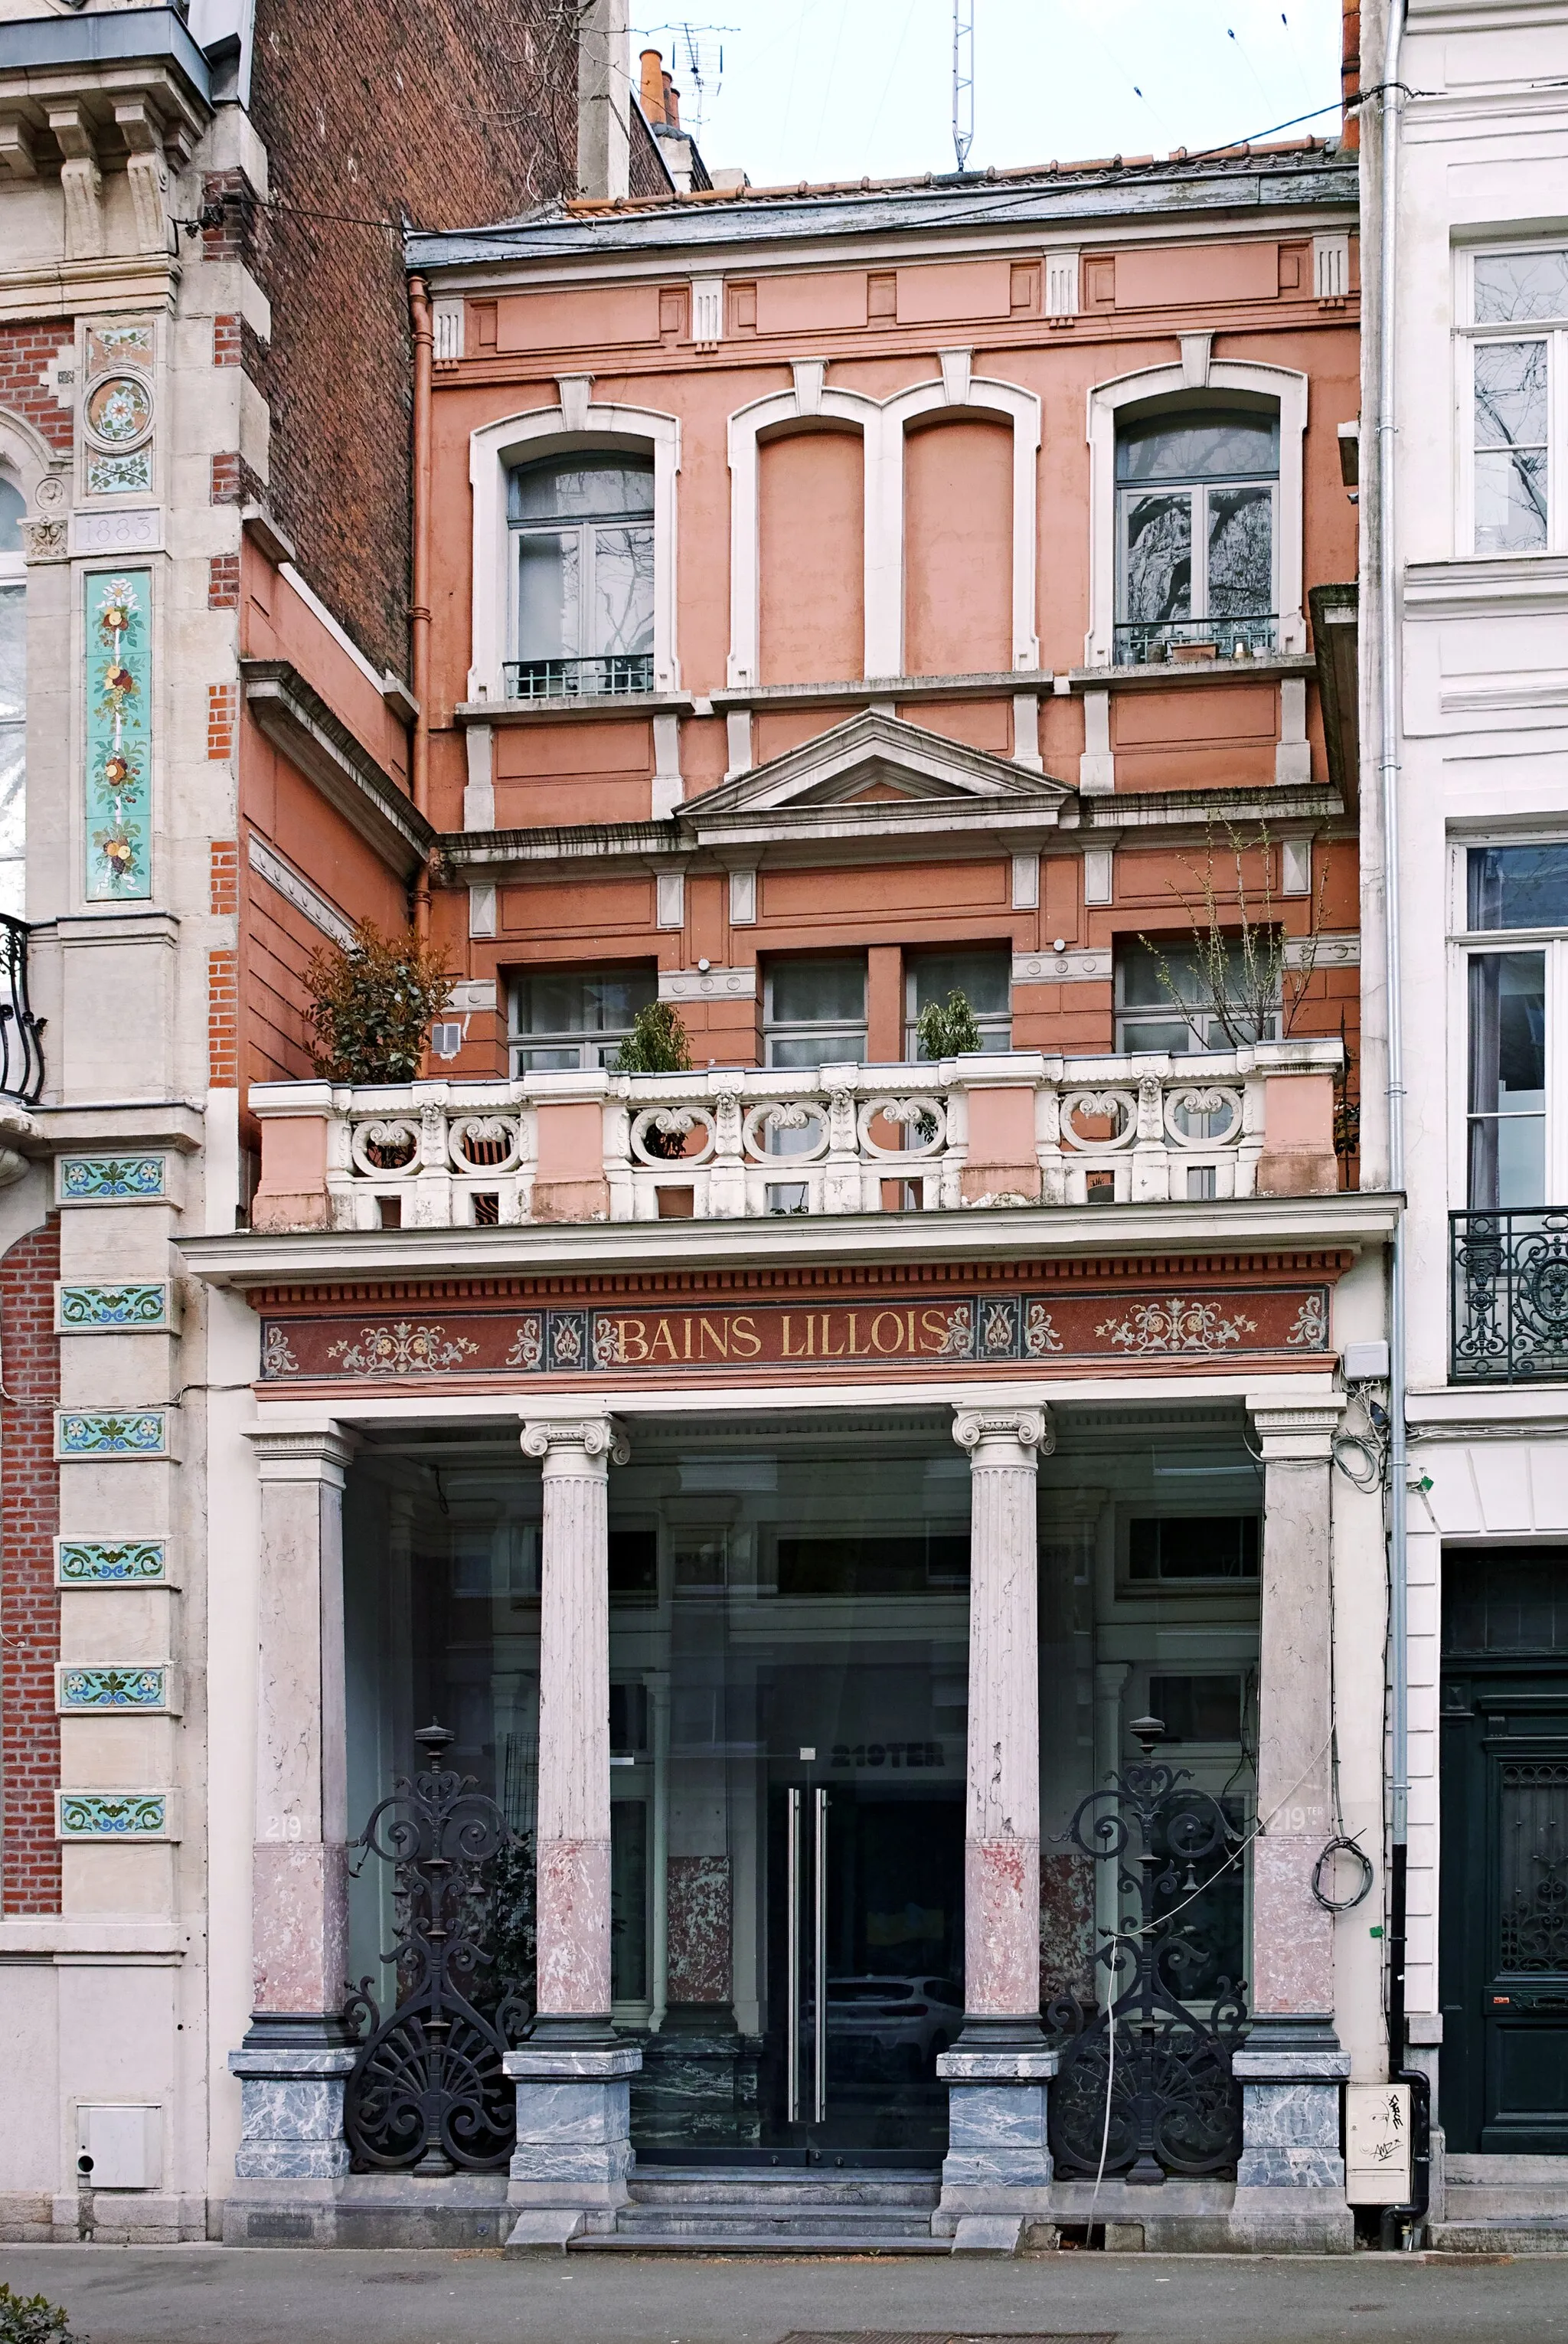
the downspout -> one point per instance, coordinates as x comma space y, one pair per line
1399, 2223
420, 605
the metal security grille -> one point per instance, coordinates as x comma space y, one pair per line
1532, 1868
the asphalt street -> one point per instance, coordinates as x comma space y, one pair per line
217, 2295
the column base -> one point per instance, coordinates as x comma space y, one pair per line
998, 2161
291, 2105
1290, 2177
573, 2150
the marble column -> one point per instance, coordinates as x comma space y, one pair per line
1109, 1685
998, 2163
574, 2148
297, 2053
1291, 2178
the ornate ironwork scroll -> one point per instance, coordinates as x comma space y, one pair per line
1510, 1296
1145, 2087
428, 2091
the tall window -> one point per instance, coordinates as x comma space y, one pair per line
1195, 521
814, 1012
584, 534
1165, 1001
13, 699
1518, 383
985, 980
563, 1018
1511, 1106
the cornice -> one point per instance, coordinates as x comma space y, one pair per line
297, 720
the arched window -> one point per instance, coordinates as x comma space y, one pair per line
13, 698
1196, 534
583, 531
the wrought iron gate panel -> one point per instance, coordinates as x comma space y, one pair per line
427, 2090
1145, 2085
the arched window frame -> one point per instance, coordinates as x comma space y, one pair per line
1199, 381
579, 425
882, 424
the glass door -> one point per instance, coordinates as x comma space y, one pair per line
802, 1638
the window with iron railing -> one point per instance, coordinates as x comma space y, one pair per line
583, 530
1196, 493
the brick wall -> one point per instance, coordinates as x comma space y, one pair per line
29, 1605
222, 1019
28, 352
447, 115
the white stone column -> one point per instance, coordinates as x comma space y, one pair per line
998, 2163
574, 2147
1291, 2178
297, 2052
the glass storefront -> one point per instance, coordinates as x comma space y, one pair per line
789, 1703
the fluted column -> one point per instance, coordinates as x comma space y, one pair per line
998, 2163
1002, 1822
573, 2152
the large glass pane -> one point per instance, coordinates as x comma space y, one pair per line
622, 592
1157, 557
576, 1017
818, 991
1166, 999
1507, 1079
1518, 886
13, 511
1511, 482
581, 491
1219, 448
13, 745
805, 1662
985, 980
549, 595
1514, 288
1241, 552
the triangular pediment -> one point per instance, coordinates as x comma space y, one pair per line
887, 767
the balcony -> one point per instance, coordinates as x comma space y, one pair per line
760, 1143
611, 675
1508, 1284
1148, 643
21, 1043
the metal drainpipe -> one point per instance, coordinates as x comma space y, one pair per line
1397, 2221
419, 610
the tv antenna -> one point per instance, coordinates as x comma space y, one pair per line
697, 64
963, 79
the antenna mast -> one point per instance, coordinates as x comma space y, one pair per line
963, 79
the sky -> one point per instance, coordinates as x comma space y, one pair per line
840, 89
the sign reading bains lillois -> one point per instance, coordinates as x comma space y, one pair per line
809, 1332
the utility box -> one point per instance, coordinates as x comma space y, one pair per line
125, 2141
1377, 2144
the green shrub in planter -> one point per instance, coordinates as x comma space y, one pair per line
948, 1029
371, 1005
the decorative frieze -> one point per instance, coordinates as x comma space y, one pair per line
111, 1563
128, 1179
897, 1329
117, 1814
111, 1432
118, 735
101, 1688
139, 1307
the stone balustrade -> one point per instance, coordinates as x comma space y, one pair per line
744, 1143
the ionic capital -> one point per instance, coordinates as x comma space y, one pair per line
1013, 1436
588, 1445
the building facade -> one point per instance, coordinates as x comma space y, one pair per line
1479, 253
792, 1480
206, 388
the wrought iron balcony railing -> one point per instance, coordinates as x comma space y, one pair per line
1140, 643
1508, 1283
609, 674
21, 1049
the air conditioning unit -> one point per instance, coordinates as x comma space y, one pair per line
124, 2140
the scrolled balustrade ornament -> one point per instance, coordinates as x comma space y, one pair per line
385, 1147
659, 1135
785, 1115
427, 2092
924, 1122
1119, 1109
485, 1143
1145, 2087
1201, 1104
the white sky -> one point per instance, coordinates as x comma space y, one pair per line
837, 89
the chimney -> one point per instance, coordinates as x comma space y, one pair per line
672, 103
603, 99
650, 89
1350, 75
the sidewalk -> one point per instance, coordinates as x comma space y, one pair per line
217, 2295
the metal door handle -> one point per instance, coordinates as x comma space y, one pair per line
819, 1958
792, 1960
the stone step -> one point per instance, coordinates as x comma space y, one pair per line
751, 2242
773, 2222
1512, 2234
798, 2186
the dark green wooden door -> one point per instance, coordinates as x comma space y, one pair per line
1503, 1947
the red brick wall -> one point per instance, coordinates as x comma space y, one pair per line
29, 1605
27, 353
